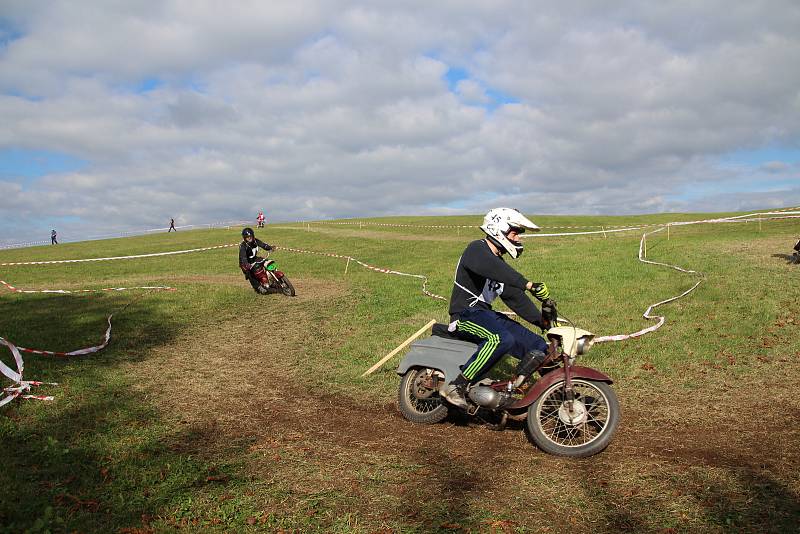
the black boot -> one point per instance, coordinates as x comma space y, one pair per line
528, 365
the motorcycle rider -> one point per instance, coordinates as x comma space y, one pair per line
248, 254
481, 276
796, 255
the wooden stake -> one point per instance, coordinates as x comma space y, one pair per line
668, 232
398, 349
346, 266
645, 245
604, 232
759, 224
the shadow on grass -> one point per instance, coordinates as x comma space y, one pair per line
790, 258
751, 501
101, 457
102, 461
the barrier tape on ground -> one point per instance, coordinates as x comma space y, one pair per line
135, 256
11, 393
368, 266
72, 291
788, 213
22, 386
660, 320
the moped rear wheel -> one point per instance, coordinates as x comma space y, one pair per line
417, 400
581, 429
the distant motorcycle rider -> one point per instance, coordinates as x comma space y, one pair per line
481, 276
248, 254
796, 254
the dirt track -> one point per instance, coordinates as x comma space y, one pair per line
702, 453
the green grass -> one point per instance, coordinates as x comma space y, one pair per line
162, 428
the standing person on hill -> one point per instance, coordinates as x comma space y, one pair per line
248, 254
481, 276
53, 236
260, 219
172, 225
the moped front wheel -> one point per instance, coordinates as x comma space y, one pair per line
578, 428
417, 399
284, 286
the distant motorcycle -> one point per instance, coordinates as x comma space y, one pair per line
266, 272
569, 411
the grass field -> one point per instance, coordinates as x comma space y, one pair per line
217, 409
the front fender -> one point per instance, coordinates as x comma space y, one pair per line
554, 376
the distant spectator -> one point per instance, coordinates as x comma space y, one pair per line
53, 236
260, 219
172, 225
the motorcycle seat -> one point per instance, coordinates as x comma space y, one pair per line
440, 330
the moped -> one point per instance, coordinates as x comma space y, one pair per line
569, 410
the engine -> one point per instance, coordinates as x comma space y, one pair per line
488, 397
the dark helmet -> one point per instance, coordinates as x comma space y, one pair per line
248, 232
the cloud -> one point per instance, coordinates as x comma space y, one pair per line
313, 109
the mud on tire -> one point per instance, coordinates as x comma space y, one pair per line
418, 403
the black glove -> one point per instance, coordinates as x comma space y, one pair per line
549, 311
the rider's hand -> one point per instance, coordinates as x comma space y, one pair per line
549, 311
540, 291
547, 325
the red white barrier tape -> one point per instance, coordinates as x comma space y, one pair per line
474, 226
152, 255
788, 213
11, 393
71, 291
626, 229
78, 352
660, 319
368, 266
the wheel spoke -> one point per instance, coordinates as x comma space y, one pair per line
592, 424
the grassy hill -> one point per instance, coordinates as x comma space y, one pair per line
216, 408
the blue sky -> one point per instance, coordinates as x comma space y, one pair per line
26, 165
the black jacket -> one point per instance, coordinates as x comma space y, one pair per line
248, 252
481, 276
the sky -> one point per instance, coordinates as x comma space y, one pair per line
117, 115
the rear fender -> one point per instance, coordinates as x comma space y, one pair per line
445, 355
554, 376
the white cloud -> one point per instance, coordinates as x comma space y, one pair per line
319, 109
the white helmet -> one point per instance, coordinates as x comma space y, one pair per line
499, 221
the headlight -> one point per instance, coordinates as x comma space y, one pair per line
584, 344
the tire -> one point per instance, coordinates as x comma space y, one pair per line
286, 287
597, 411
417, 403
